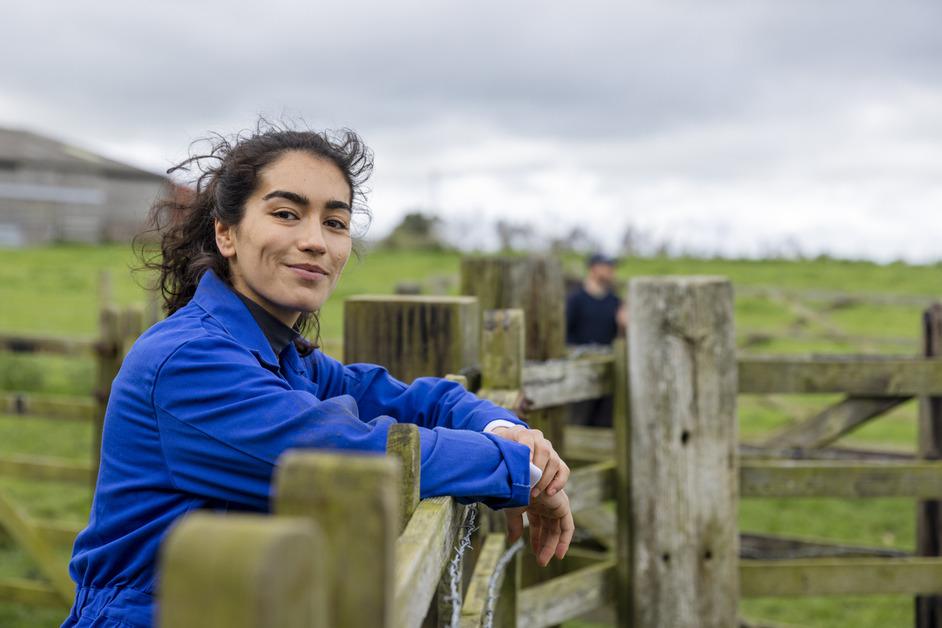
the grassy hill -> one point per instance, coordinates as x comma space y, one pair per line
819, 306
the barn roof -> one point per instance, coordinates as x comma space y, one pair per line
24, 148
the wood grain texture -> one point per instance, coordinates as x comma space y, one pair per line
533, 284
422, 552
412, 336
834, 422
502, 349
242, 571
929, 447
840, 576
354, 501
402, 443
683, 453
591, 485
854, 375
843, 479
566, 597
557, 382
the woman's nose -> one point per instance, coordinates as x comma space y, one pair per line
313, 240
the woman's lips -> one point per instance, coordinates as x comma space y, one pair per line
309, 273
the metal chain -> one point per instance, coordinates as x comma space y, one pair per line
493, 591
454, 567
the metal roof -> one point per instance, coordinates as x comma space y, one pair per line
24, 148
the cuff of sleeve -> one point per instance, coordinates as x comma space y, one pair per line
517, 459
493, 425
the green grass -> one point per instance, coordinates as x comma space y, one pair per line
54, 290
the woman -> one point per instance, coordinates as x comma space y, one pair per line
207, 399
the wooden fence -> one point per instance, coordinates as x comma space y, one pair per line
671, 554
351, 545
40, 538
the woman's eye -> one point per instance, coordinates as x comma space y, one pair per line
284, 214
336, 223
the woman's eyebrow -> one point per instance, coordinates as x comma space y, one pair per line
294, 197
335, 204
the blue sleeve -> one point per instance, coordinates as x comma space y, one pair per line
224, 419
427, 402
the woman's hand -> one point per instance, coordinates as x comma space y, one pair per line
542, 454
551, 526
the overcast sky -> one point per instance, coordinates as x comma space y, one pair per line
731, 127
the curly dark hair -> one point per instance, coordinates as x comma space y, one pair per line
224, 177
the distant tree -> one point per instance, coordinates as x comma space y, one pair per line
416, 231
514, 236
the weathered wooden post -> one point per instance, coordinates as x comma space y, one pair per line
354, 500
502, 357
243, 571
682, 466
929, 512
412, 336
535, 285
402, 442
108, 356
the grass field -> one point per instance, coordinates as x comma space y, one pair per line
781, 307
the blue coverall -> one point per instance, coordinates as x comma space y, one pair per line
200, 412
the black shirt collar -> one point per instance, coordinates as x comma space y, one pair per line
278, 334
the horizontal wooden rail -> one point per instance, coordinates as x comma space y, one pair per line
558, 382
826, 478
774, 547
422, 551
48, 406
30, 593
475, 600
850, 375
598, 443
588, 443
840, 576
58, 532
57, 345
591, 485
46, 469
567, 596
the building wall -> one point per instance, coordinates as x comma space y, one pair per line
39, 205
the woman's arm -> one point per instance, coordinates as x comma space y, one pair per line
431, 402
428, 401
224, 419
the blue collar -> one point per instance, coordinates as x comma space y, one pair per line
219, 301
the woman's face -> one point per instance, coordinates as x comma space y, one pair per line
288, 251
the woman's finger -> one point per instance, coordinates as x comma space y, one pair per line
559, 482
549, 541
567, 529
514, 524
549, 473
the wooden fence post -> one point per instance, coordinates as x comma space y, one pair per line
929, 512
412, 336
402, 442
243, 571
535, 285
621, 423
108, 358
682, 454
354, 501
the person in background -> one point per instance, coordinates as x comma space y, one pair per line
594, 317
